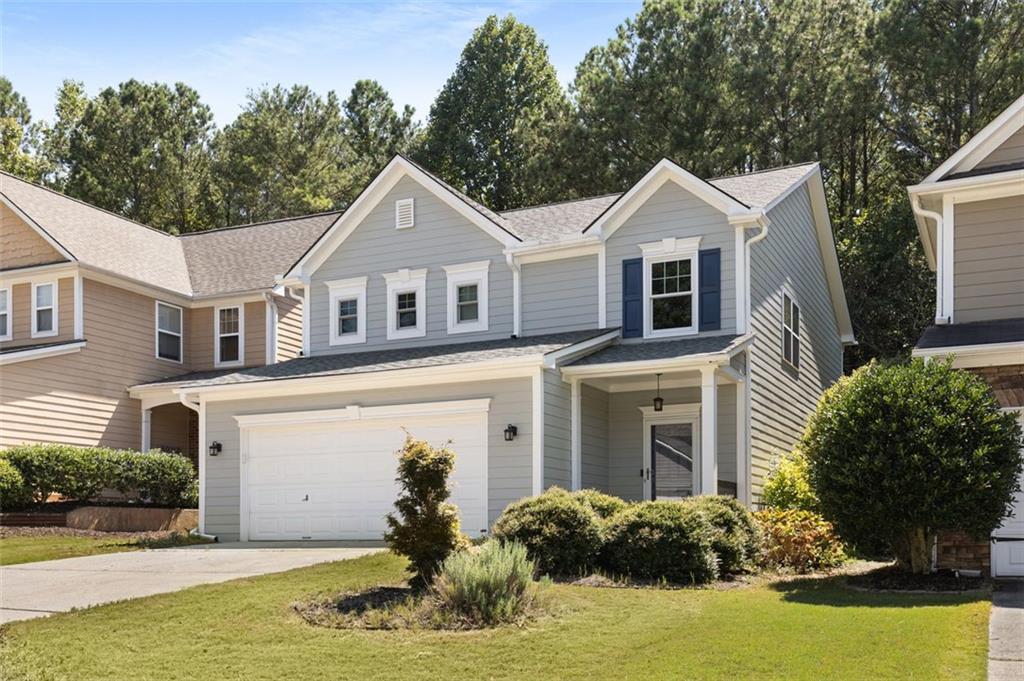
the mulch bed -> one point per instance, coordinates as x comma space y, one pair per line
891, 578
69, 532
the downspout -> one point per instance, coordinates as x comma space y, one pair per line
915, 205
197, 408
763, 222
270, 349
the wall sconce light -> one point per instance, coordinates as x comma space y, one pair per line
659, 403
215, 448
511, 432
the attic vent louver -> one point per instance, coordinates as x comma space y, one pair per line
404, 214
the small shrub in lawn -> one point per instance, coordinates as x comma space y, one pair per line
562, 535
796, 540
735, 538
661, 540
604, 505
13, 492
425, 528
788, 486
485, 586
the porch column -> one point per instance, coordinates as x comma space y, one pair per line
575, 422
147, 423
742, 444
945, 261
708, 430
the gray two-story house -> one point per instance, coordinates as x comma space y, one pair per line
664, 342
970, 215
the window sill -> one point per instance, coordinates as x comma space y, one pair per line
43, 334
671, 333
354, 339
405, 334
467, 328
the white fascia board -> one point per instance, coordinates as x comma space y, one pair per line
356, 412
15, 356
37, 228
720, 358
1005, 181
972, 356
27, 275
812, 170
829, 258
371, 197
557, 250
581, 349
983, 143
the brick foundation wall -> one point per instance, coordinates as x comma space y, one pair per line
1007, 382
958, 550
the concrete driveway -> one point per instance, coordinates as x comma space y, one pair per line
39, 589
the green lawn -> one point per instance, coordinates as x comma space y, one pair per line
29, 549
246, 630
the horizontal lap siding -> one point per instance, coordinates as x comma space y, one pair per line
672, 212
20, 314
22, 246
988, 260
203, 336
560, 295
508, 466
289, 328
594, 437
1010, 151
781, 402
440, 237
557, 431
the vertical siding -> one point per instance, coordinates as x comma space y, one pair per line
672, 212
781, 400
1010, 151
557, 431
508, 464
559, 295
22, 246
289, 328
20, 316
594, 437
440, 237
988, 259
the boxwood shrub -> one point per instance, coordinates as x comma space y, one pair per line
604, 505
661, 540
13, 492
735, 538
562, 535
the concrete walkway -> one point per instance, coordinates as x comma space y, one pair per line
1006, 633
38, 589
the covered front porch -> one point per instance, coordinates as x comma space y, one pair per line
667, 427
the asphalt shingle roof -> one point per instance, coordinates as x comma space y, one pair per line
389, 360
973, 333
653, 350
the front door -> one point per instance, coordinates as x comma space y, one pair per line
671, 456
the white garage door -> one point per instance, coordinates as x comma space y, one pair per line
335, 479
1008, 540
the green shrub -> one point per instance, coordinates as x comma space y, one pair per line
798, 540
562, 535
735, 539
604, 505
487, 585
898, 452
158, 477
661, 540
788, 486
14, 493
426, 527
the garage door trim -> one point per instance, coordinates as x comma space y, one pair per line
250, 424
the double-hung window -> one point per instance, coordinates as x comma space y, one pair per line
230, 340
407, 304
5, 314
347, 300
44, 309
168, 332
790, 331
467, 296
670, 287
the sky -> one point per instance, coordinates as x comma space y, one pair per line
225, 49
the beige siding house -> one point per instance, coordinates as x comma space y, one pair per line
970, 215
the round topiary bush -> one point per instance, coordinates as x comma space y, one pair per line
604, 505
14, 493
661, 540
562, 535
898, 452
736, 537
788, 486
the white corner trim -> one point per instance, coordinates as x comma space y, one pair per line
537, 428
307, 317
217, 335
355, 412
463, 274
79, 311
13, 356
602, 287
517, 294
346, 289
8, 311
54, 308
576, 434
406, 281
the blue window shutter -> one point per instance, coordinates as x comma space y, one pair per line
710, 300
633, 298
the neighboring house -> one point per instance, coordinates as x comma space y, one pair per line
970, 214
664, 342
92, 303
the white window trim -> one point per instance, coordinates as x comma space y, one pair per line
36, 333
786, 292
407, 281
217, 362
671, 414
467, 274
347, 289
6, 291
666, 250
157, 331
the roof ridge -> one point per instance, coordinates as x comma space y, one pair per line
200, 232
763, 170
558, 203
86, 204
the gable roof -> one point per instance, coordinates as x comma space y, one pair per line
981, 145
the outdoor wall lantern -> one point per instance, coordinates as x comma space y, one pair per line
659, 403
215, 448
511, 432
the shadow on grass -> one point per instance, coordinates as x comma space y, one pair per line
837, 593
